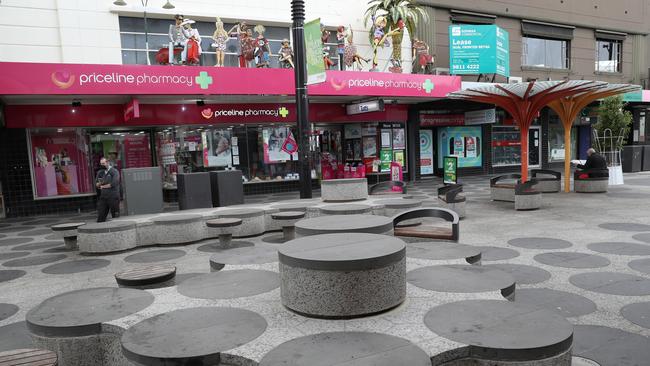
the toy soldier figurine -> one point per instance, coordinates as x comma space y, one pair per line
176, 38
286, 55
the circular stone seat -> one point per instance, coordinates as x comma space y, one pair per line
345, 224
252, 221
461, 278
344, 190
395, 206
343, 275
147, 276
346, 209
106, 237
194, 336
294, 206
287, 220
28, 356
69, 232
178, 228
224, 228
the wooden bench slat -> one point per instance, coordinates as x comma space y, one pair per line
424, 231
32, 357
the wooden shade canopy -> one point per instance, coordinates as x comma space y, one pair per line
568, 108
523, 101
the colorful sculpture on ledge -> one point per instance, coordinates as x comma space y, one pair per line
286, 55
380, 38
422, 60
220, 38
350, 55
246, 43
262, 49
176, 43
325, 35
192, 53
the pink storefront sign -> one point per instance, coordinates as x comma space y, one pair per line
18, 78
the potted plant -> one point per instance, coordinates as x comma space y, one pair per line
610, 134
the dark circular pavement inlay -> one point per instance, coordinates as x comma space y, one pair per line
15, 336
36, 232
502, 329
39, 245
620, 248
489, 253
35, 260
7, 310
258, 254
153, 256
641, 265
182, 336
572, 260
76, 266
644, 237
43, 222
78, 312
14, 241
441, 251
213, 246
12, 255
625, 226
461, 279
540, 243
610, 346
638, 313
565, 303
347, 348
53, 236
8, 275
523, 274
230, 284
612, 283
14, 228
2, 236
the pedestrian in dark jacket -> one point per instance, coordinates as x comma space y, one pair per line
108, 182
595, 165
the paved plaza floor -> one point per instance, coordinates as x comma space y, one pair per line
583, 257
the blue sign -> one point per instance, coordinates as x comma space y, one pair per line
478, 49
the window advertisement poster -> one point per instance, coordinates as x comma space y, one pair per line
386, 138
137, 153
478, 49
369, 147
352, 131
398, 157
273, 140
450, 168
426, 152
386, 157
463, 142
399, 140
216, 148
369, 129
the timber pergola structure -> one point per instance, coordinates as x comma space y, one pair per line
523, 101
568, 108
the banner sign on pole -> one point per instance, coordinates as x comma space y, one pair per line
314, 50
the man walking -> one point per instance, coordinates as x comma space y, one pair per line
108, 182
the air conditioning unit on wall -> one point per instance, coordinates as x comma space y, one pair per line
515, 79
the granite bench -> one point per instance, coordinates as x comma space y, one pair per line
427, 231
345, 209
178, 228
451, 197
69, 232
372, 224
253, 221
395, 206
502, 188
224, 227
549, 181
527, 197
524, 195
147, 277
596, 181
287, 220
28, 357
391, 187
106, 237
343, 190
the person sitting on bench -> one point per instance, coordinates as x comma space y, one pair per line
593, 166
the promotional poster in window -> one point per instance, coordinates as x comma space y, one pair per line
463, 142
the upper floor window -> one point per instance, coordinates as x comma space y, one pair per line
548, 53
609, 55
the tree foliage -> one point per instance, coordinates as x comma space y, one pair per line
611, 115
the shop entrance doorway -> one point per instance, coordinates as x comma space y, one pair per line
535, 147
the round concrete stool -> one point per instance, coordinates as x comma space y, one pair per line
342, 190
225, 227
344, 224
178, 228
396, 206
346, 209
252, 221
69, 233
343, 275
288, 220
147, 277
105, 237
26, 357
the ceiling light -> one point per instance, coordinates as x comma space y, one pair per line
119, 2
168, 5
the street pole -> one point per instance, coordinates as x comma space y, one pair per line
302, 103
146, 30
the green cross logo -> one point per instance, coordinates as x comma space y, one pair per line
428, 86
283, 112
204, 80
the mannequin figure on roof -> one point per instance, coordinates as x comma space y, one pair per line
220, 38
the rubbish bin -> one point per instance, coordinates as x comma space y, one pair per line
646, 157
632, 158
142, 190
194, 191
227, 188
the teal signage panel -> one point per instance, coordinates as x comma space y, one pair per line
478, 49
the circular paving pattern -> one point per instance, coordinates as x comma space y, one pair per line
35, 260
641, 265
213, 246
625, 226
344, 224
346, 209
443, 251
620, 248
12, 255
565, 303
346, 348
43, 221
79, 312
644, 237
462, 278
7, 310
610, 346
572, 260
39, 245
612, 283
76, 266
258, 254
182, 336
523, 274
153, 256
15, 336
489, 253
638, 313
36, 232
8, 275
14, 228
230, 284
496, 329
14, 241
540, 243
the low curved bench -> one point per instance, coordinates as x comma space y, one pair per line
501, 190
106, 237
550, 181
178, 228
451, 197
395, 206
596, 182
386, 188
69, 232
147, 277
428, 231
346, 209
527, 197
29, 356
223, 228
343, 190
253, 221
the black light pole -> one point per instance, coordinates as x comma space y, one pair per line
300, 71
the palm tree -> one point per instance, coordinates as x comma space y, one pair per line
399, 14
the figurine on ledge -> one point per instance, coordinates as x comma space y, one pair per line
192, 51
262, 49
176, 40
325, 35
220, 38
350, 56
286, 55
